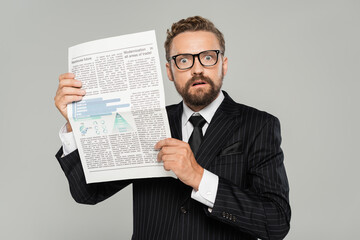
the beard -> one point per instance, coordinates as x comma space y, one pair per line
201, 97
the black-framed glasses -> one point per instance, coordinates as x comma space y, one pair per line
206, 58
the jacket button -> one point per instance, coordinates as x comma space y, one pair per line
223, 214
183, 210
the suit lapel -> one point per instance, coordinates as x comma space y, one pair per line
174, 114
222, 126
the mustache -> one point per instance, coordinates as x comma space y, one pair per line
198, 77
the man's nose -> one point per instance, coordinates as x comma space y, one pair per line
197, 67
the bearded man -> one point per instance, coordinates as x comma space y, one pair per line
231, 181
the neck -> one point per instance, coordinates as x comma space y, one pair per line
195, 108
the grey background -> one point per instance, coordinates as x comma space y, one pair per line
298, 60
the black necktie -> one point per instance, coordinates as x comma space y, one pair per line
196, 136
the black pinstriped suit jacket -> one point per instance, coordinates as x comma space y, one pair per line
242, 147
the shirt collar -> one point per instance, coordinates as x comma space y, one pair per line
207, 112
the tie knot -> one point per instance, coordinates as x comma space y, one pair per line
197, 121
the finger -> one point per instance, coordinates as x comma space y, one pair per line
70, 83
169, 157
160, 156
66, 75
72, 91
169, 150
69, 99
168, 166
173, 153
68, 91
159, 145
168, 142
61, 103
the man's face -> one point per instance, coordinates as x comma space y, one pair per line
199, 85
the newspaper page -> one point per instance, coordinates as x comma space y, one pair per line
123, 115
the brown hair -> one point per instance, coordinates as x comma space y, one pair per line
192, 24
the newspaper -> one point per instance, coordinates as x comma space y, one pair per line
123, 115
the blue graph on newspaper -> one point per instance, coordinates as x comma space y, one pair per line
96, 107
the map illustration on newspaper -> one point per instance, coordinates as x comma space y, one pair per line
123, 115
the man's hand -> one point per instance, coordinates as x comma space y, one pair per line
68, 91
178, 157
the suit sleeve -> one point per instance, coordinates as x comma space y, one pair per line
262, 209
81, 191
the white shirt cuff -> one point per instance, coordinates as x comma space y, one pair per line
207, 189
67, 140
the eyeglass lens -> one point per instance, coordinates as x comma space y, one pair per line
207, 58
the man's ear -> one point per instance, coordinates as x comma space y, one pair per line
168, 71
225, 65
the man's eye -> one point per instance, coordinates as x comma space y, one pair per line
208, 58
183, 60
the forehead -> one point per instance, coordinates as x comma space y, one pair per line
194, 42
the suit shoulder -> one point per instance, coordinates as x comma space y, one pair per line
254, 115
254, 121
172, 107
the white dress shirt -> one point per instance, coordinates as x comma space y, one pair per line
206, 193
